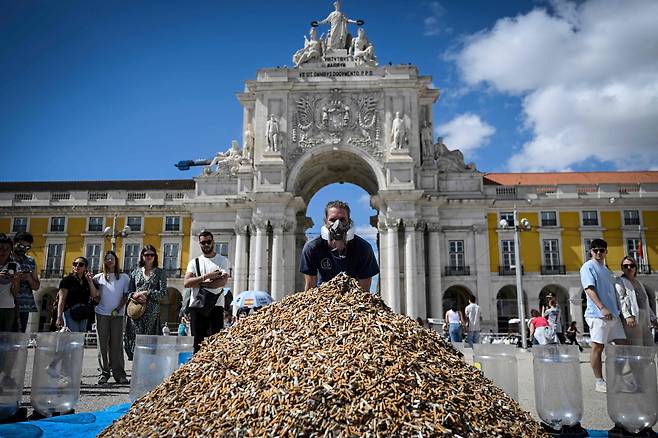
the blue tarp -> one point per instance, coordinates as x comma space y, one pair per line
86, 424
90, 424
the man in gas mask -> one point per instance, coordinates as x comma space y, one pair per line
337, 250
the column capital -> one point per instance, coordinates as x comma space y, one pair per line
389, 223
433, 227
260, 224
241, 229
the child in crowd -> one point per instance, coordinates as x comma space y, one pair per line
572, 331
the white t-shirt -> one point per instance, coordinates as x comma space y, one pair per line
472, 312
6, 298
112, 292
453, 317
208, 265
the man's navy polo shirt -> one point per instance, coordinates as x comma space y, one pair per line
318, 259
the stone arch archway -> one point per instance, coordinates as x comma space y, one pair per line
45, 299
507, 306
330, 164
562, 297
170, 306
458, 295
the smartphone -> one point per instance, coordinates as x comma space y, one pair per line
11, 268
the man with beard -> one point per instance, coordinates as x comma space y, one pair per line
337, 250
209, 271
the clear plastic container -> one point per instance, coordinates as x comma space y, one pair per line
57, 372
13, 358
498, 363
156, 357
558, 388
631, 382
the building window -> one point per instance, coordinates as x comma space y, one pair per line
135, 223
172, 223
57, 224
590, 218
456, 254
54, 259
95, 223
130, 256
509, 259
548, 219
551, 253
634, 249
508, 217
631, 217
170, 259
94, 257
221, 248
20, 224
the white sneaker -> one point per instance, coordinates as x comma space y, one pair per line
600, 386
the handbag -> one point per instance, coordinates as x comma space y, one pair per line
80, 312
205, 300
135, 309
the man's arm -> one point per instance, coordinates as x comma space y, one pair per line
211, 280
591, 293
310, 281
365, 283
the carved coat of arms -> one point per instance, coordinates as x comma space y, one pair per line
334, 119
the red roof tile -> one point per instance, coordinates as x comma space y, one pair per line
578, 178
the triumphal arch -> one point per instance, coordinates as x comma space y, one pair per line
339, 116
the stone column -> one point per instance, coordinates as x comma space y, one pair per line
576, 307
278, 273
240, 260
260, 262
410, 275
251, 275
482, 270
390, 276
420, 270
434, 254
290, 257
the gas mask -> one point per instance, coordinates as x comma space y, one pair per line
337, 235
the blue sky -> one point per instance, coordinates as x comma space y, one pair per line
96, 89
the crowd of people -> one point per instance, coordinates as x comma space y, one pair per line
125, 304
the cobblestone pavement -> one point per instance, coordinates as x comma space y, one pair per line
94, 397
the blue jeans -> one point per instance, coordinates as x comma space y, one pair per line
74, 326
473, 338
455, 332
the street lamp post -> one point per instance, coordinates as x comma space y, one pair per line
523, 225
112, 233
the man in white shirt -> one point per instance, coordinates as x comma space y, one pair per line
209, 271
473, 317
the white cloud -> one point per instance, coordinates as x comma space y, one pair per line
588, 77
367, 232
466, 132
432, 23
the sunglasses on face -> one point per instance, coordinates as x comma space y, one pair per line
149, 254
23, 247
109, 259
598, 250
628, 266
205, 242
79, 264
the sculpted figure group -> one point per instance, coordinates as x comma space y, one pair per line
360, 48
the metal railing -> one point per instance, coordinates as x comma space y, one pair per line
508, 270
457, 270
173, 273
52, 273
553, 270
